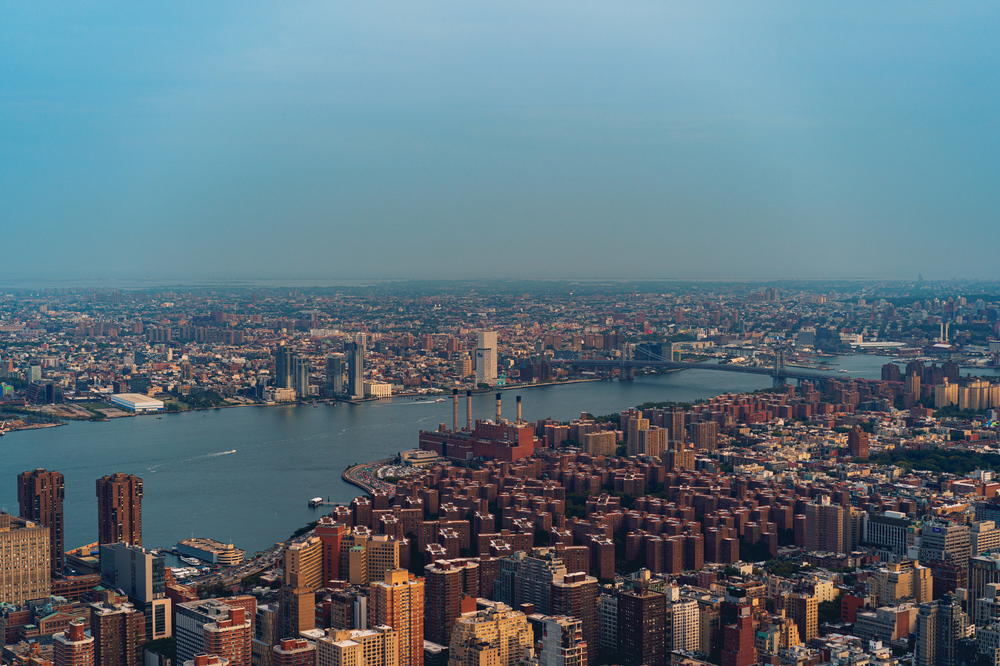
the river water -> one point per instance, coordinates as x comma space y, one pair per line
244, 474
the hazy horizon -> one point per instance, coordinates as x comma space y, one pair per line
227, 141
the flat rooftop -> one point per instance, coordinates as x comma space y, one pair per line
138, 399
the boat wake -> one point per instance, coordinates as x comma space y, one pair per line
153, 468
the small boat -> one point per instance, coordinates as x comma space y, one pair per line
315, 502
193, 561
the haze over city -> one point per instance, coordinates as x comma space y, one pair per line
235, 140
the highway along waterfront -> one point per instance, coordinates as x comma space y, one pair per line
244, 475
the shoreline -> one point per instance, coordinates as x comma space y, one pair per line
298, 403
350, 474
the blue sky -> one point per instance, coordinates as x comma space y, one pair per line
491, 139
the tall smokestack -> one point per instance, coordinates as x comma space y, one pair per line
454, 410
468, 410
499, 407
519, 419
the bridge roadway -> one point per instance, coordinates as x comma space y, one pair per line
784, 372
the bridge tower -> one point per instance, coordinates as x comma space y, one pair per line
778, 376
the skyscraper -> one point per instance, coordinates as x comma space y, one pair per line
300, 375
940, 624
642, 616
355, 352
398, 602
119, 633
282, 366
575, 594
24, 560
526, 578
826, 526
447, 583
335, 375
73, 647
40, 496
119, 509
140, 576
486, 357
230, 637
303, 563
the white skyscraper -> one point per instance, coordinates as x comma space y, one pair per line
486, 357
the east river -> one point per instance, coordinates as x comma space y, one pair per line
244, 474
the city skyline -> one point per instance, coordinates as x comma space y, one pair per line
687, 140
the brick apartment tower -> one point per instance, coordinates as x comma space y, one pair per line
119, 633
40, 494
294, 652
642, 625
73, 647
398, 602
857, 443
447, 582
119, 509
230, 638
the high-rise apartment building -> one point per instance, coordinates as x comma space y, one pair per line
984, 570
300, 375
73, 647
495, 636
294, 652
119, 509
283, 367
804, 611
896, 582
40, 495
191, 618
140, 576
335, 374
331, 534
355, 352
600, 443
526, 578
486, 357
826, 526
857, 443
683, 618
303, 563
398, 601
296, 610
119, 632
382, 556
678, 430
447, 583
359, 647
230, 637
940, 625
738, 645
705, 435
562, 642
25, 571
642, 615
575, 594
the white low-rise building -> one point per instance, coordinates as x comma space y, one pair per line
137, 402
